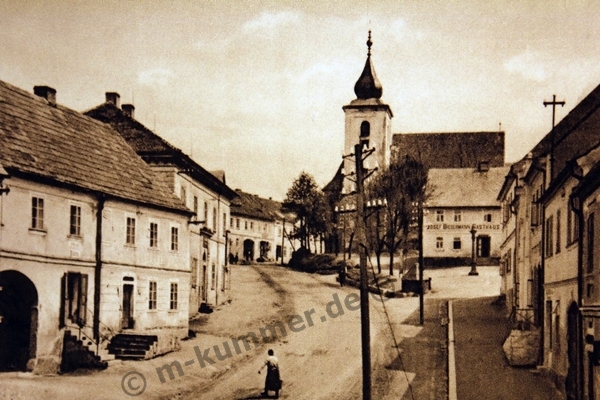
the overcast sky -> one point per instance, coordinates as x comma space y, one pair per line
257, 88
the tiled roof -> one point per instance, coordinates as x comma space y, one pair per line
452, 149
155, 150
252, 206
63, 146
465, 187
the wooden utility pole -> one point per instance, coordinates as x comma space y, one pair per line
421, 261
553, 103
364, 284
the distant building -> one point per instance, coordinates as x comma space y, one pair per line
259, 230
92, 244
201, 191
463, 201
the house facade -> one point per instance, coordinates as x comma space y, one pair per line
84, 249
546, 196
205, 193
259, 230
460, 223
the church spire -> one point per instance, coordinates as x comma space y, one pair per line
368, 86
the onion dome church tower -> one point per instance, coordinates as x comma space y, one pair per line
368, 119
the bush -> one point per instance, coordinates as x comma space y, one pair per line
303, 260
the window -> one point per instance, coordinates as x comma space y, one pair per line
558, 244
569, 226
214, 219
224, 223
206, 213
213, 277
152, 295
457, 215
508, 261
194, 277
590, 243
237, 223
174, 238
365, 131
196, 206
439, 215
173, 297
231, 222
153, 234
487, 217
246, 225
549, 237
37, 213
251, 225
75, 221
439, 243
130, 233
183, 195
456, 244
74, 299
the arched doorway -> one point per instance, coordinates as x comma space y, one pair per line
18, 320
248, 250
574, 332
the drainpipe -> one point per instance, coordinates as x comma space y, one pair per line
3, 190
577, 205
98, 269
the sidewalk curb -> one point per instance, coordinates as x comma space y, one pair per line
451, 356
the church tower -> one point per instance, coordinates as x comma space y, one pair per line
368, 119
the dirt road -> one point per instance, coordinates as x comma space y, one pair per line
320, 353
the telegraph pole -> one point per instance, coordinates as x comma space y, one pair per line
364, 288
553, 103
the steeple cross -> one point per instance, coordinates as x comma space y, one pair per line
554, 103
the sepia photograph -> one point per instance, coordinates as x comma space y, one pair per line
253, 199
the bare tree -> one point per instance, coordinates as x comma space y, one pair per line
403, 185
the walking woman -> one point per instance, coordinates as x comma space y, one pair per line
273, 379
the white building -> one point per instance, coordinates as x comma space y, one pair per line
90, 241
203, 192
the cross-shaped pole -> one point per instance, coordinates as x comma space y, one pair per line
553, 103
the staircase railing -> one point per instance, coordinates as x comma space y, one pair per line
80, 326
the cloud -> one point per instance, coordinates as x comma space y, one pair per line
153, 76
528, 65
401, 31
271, 21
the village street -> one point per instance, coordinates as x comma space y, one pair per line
321, 360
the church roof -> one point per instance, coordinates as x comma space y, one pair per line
48, 142
368, 86
452, 149
465, 187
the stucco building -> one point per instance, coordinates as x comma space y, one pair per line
204, 193
91, 242
548, 204
259, 229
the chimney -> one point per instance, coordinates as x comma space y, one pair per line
46, 92
114, 98
129, 109
483, 166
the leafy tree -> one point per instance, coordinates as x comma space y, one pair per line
403, 185
311, 208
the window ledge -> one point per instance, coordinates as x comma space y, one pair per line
75, 237
37, 231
